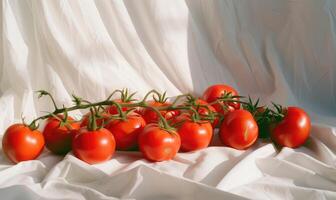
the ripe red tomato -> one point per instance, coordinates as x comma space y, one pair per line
239, 129
93, 146
293, 130
195, 135
58, 137
20, 143
99, 122
158, 144
150, 116
126, 131
213, 92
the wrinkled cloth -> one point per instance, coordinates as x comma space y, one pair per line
281, 51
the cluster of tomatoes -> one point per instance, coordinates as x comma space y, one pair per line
158, 128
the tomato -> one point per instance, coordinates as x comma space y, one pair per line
93, 146
158, 144
150, 116
203, 111
20, 143
239, 129
294, 128
214, 92
195, 135
99, 121
126, 131
58, 137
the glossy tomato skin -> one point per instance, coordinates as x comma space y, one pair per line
99, 122
150, 116
293, 130
93, 146
239, 130
58, 138
213, 92
126, 131
20, 143
195, 135
157, 144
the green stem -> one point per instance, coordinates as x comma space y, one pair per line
162, 119
148, 93
53, 101
122, 115
119, 106
113, 93
179, 97
92, 120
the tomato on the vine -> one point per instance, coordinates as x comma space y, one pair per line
205, 111
126, 131
158, 144
93, 146
103, 119
113, 110
239, 130
20, 143
58, 135
293, 130
214, 92
195, 135
150, 116
179, 119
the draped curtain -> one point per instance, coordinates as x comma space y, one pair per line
281, 51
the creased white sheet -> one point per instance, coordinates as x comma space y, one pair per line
282, 51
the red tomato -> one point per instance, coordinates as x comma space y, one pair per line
158, 144
93, 146
213, 92
195, 135
204, 111
20, 143
58, 138
293, 130
150, 116
126, 131
239, 129
99, 122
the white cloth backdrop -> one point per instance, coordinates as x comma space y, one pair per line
282, 51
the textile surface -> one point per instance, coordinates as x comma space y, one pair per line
281, 51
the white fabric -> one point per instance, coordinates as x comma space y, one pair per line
282, 51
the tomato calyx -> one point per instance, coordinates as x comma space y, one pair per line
262, 115
160, 98
228, 99
201, 110
279, 113
31, 126
265, 117
126, 96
